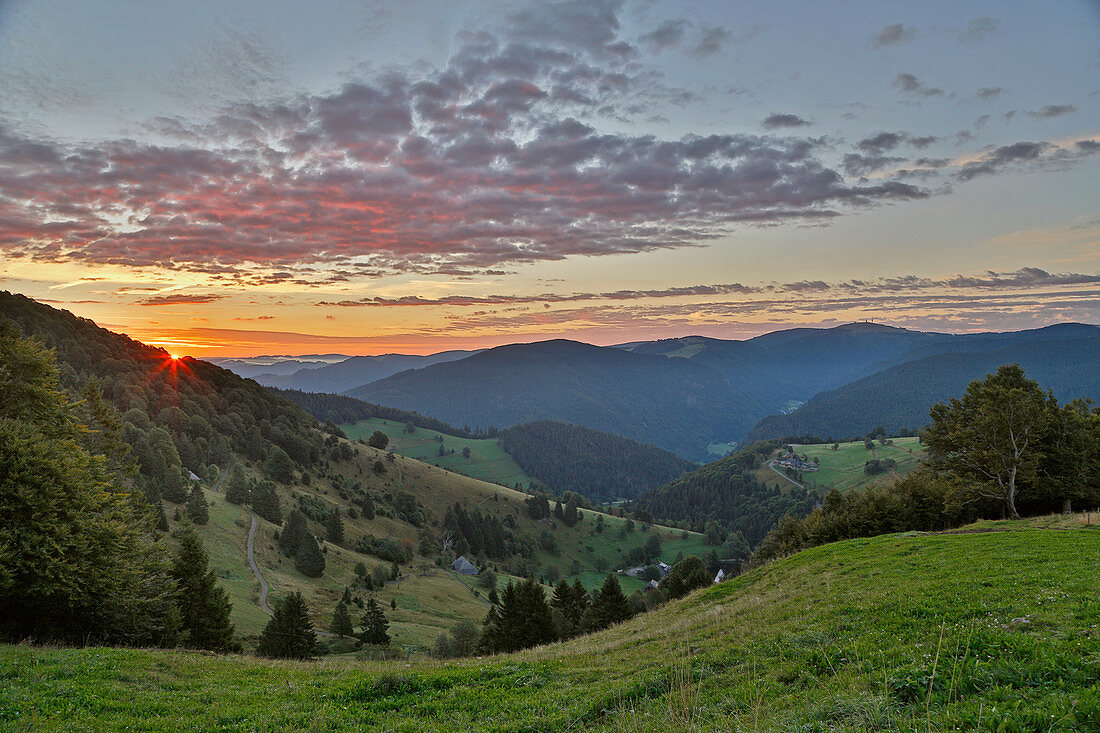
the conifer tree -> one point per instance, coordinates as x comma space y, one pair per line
237, 490
266, 502
341, 620
608, 607
310, 561
334, 526
204, 606
294, 529
289, 634
197, 509
375, 625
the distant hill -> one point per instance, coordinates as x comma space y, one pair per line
597, 465
900, 396
253, 366
675, 404
794, 364
354, 371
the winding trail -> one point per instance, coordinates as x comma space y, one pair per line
255, 567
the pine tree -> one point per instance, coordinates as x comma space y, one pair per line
335, 528
197, 509
289, 634
341, 620
204, 606
310, 561
266, 502
294, 529
237, 490
375, 625
608, 607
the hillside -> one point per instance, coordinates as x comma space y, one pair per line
188, 415
671, 403
899, 397
976, 630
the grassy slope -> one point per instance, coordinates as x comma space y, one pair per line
842, 469
972, 631
430, 600
487, 460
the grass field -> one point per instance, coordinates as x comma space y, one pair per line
487, 460
980, 630
842, 469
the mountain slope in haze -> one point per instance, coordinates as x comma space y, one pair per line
252, 366
982, 630
355, 371
899, 397
796, 363
671, 403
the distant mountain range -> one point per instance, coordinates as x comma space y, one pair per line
681, 394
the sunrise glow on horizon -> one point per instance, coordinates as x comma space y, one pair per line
247, 179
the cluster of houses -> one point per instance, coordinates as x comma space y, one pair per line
793, 460
663, 569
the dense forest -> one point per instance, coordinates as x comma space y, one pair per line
600, 466
177, 415
342, 410
727, 491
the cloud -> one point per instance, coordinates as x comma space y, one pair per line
910, 84
892, 35
710, 41
777, 120
1054, 110
1027, 155
979, 29
180, 299
882, 142
670, 33
988, 93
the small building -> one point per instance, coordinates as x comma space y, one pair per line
720, 576
651, 585
462, 566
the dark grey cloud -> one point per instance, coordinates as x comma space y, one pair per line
180, 299
777, 120
860, 165
1053, 110
667, 35
910, 84
882, 142
998, 159
892, 35
979, 29
988, 93
710, 41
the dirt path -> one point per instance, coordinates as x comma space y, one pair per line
255, 567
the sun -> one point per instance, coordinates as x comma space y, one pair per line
174, 357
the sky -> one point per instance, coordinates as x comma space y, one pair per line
224, 177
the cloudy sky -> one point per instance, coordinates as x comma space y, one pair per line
227, 177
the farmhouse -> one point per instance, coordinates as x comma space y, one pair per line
463, 566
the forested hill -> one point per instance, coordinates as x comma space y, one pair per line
672, 403
727, 491
342, 410
594, 464
176, 414
899, 397
798, 363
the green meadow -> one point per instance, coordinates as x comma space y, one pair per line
996, 628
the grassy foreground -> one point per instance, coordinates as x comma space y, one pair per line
993, 630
